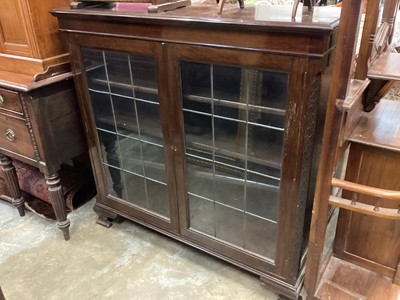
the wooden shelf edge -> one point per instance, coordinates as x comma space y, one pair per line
25, 83
386, 67
356, 89
379, 128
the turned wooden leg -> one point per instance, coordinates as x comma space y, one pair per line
11, 179
58, 202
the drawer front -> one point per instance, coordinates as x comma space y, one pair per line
10, 101
14, 136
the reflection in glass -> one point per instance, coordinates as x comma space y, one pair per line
229, 189
125, 116
234, 121
230, 135
118, 73
136, 189
124, 98
131, 155
229, 224
202, 214
149, 120
260, 236
153, 159
262, 195
102, 108
200, 178
157, 193
114, 182
198, 130
94, 63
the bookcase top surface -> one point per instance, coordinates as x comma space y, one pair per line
319, 19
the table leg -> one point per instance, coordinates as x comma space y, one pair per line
11, 179
58, 202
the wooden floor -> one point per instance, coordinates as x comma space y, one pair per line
346, 281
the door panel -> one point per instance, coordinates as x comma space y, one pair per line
127, 112
234, 152
13, 32
233, 121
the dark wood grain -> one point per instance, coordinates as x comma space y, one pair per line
21, 143
10, 176
58, 203
56, 122
9, 102
197, 35
207, 15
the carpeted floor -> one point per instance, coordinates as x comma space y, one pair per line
394, 93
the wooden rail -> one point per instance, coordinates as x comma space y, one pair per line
366, 190
363, 208
366, 209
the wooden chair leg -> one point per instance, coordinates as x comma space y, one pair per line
11, 179
58, 202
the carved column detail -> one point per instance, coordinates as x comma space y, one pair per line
309, 135
10, 176
58, 202
30, 128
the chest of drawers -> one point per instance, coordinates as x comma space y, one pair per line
39, 125
39, 118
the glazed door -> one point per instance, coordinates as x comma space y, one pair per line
126, 108
234, 189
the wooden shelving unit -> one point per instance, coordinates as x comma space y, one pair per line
362, 260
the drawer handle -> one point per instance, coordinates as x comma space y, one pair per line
10, 135
1, 99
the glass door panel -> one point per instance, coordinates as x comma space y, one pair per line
124, 97
234, 122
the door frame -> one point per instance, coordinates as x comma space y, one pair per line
154, 49
291, 207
